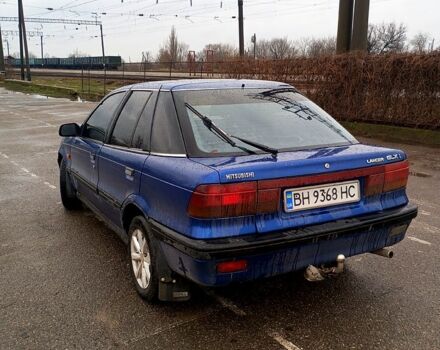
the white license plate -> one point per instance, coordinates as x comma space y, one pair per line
321, 195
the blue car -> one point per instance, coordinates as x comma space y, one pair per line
220, 181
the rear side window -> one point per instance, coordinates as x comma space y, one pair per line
141, 137
166, 136
98, 123
128, 118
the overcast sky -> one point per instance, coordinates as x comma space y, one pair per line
207, 21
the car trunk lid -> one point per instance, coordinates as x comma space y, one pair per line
305, 168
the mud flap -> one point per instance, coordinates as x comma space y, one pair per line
172, 287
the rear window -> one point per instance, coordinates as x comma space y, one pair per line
281, 119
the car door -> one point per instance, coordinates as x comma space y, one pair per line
123, 155
86, 147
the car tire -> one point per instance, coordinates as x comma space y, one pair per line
142, 259
68, 196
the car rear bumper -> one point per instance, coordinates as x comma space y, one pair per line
281, 252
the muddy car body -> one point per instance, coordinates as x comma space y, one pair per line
221, 181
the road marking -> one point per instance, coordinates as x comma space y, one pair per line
284, 342
415, 239
427, 227
423, 212
425, 203
49, 185
227, 304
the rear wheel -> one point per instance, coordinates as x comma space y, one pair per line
68, 195
142, 259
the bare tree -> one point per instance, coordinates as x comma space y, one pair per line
321, 47
281, 48
146, 56
262, 49
221, 51
386, 37
172, 50
302, 46
419, 43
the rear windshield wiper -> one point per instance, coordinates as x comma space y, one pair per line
278, 91
228, 138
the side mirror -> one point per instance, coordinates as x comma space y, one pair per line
70, 129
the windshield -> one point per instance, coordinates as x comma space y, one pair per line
283, 120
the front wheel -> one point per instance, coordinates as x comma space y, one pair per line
68, 195
142, 259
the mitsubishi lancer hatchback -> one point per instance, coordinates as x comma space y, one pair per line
222, 181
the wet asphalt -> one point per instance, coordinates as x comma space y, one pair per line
64, 276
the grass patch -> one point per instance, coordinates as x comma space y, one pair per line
92, 90
46, 90
395, 133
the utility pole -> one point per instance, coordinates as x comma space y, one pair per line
7, 46
41, 44
102, 46
103, 57
240, 27
345, 23
23, 29
2, 56
20, 34
254, 41
360, 25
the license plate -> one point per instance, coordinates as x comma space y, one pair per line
321, 196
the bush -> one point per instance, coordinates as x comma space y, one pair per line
394, 89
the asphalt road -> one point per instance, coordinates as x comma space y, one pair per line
64, 277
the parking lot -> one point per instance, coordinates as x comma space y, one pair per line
65, 283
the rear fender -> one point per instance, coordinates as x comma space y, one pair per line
139, 202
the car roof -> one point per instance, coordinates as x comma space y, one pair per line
202, 84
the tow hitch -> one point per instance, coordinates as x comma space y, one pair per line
314, 274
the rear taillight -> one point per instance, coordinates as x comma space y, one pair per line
390, 177
240, 199
396, 176
217, 201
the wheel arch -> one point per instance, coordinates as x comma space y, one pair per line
132, 207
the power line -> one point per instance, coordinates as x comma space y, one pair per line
51, 20
16, 33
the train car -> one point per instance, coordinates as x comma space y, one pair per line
91, 62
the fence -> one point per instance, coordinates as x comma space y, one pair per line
399, 89
396, 89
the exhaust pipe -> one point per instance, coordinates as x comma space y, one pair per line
340, 262
384, 252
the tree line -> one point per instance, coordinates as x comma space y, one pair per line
382, 38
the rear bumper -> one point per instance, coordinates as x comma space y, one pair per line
281, 252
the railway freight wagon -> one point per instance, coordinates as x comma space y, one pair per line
111, 62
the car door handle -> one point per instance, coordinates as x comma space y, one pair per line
129, 172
